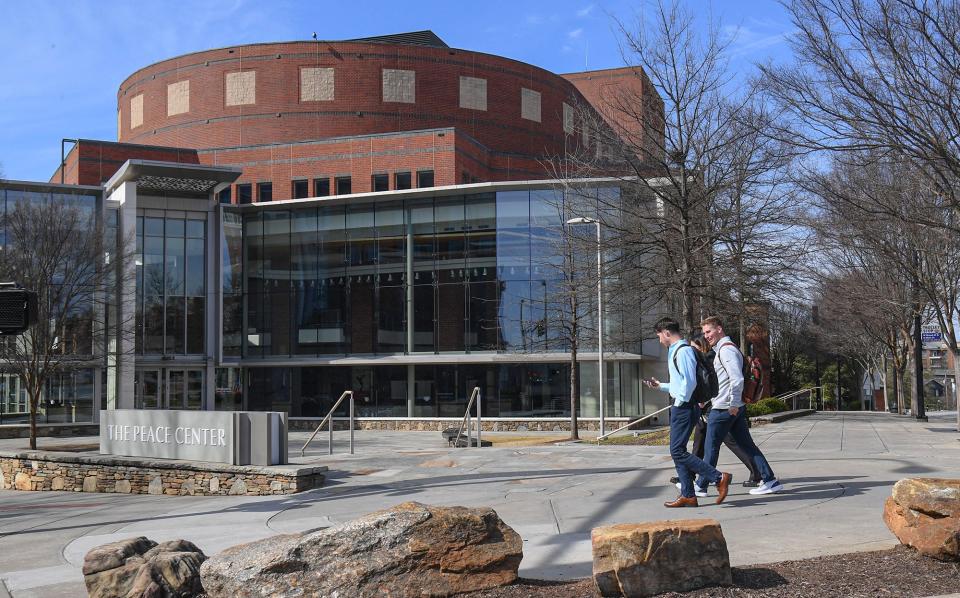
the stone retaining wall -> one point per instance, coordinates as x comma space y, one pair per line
81, 473
491, 424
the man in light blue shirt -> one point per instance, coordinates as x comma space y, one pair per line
729, 414
682, 366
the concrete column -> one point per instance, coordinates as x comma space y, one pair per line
121, 344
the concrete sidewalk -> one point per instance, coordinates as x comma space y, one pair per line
838, 469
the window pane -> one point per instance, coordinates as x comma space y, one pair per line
195, 229
451, 302
343, 185
153, 325
300, 189
175, 270
195, 325
423, 318
175, 227
424, 179
264, 192
380, 182
244, 193
195, 267
321, 187
174, 332
391, 315
401, 180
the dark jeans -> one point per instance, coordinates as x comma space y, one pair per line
700, 436
682, 421
719, 424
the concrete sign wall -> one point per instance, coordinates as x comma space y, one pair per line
233, 437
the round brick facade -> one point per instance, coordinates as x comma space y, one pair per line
279, 115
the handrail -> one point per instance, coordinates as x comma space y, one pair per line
639, 419
474, 396
795, 393
329, 417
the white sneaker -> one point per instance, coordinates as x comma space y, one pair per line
696, 490
771, 487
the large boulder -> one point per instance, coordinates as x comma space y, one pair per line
643, 559
925, 513
141, 568
409, 550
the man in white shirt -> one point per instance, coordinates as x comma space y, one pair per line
729, 414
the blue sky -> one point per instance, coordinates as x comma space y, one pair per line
61, 62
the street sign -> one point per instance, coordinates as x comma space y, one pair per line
930, 334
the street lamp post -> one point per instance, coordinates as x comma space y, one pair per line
600, 372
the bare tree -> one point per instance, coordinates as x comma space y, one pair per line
57, 248
881, 76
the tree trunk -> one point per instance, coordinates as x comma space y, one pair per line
956, 383
886, 395
574, 393
34, 407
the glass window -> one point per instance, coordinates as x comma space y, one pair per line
380, 182
483, 329
196, 325
301, 189
362, 304
195, 229
175, 266
424, 179
175, 227
232, 325
391, 317
423, 318
343, 185
153, 227
224, 195
195, 267
321, 187
390, 390
264, 192
401, 180
244, 193
451, 317
175, 330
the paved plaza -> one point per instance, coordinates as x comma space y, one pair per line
838, 470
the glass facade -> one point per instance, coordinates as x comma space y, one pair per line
171, 283
69, 395
474, 273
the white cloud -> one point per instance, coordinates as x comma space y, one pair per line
576, 33
583, 12
534, 19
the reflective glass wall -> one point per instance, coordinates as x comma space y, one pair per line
464, 273
171, 283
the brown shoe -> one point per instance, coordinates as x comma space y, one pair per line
682, 501
723, 486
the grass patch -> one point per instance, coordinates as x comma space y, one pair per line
658, 437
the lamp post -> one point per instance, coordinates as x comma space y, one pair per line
600, 372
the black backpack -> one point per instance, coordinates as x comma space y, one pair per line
707, 384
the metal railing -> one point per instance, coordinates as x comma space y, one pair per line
793, 395
636, 421
329, 418
467, 420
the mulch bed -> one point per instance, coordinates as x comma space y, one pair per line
897, 573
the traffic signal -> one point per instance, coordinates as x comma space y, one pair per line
18, 309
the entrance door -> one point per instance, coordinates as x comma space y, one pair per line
147, 389
184, 389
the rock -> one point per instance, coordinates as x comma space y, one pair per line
115, 554
214, 485
57, 483
155, 486
643, 559
21, 481
141, 568
122, 487
238, 487
409, 550
924, 513
90, 483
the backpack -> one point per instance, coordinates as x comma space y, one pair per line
706, 377
752, 376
